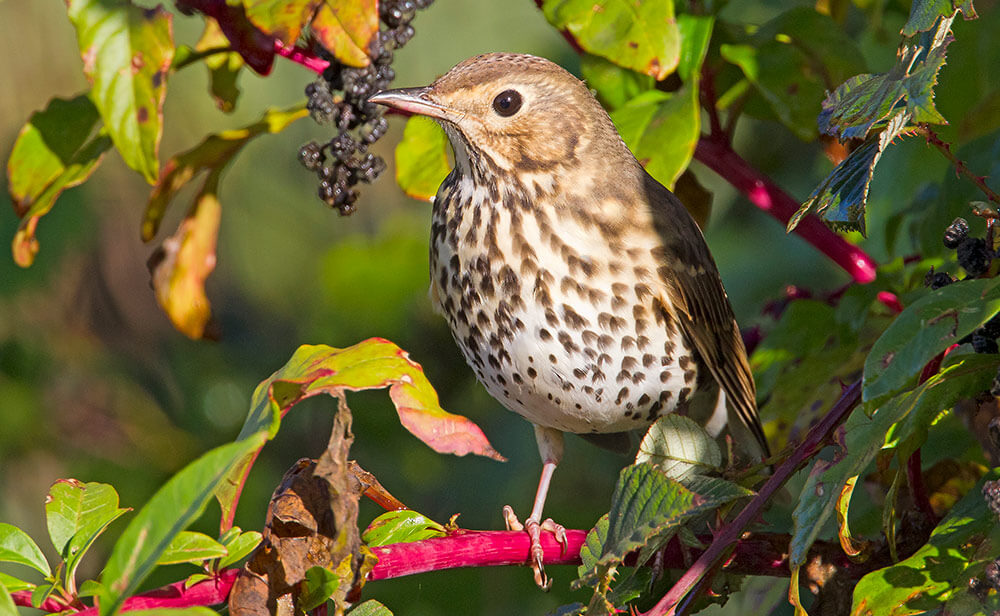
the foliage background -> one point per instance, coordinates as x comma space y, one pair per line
95, 384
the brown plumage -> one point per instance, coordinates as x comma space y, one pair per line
579, 289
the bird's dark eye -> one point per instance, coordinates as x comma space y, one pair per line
507, 103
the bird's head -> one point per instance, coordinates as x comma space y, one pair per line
511, 113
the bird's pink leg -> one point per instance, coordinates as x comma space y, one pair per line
550, 446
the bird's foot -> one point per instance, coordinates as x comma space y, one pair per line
534, 529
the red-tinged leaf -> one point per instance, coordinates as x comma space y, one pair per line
223, 68
185, 261
254, 46
59, 147
127, 51
372, 364
214, 153
346, 29
284, 19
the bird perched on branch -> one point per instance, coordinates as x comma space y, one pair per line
579, 289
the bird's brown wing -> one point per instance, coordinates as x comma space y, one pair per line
694, 289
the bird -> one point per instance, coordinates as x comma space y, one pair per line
579, 289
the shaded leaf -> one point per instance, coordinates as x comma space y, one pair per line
127, 51
174, 506
641, 36
924, 329
59, 147
214, 153
613, 84
403, 526
346, 29
191, 547
76, 514
422, 158
679, 447
373, 363
223, 68
184, 261
17, 547
962, 543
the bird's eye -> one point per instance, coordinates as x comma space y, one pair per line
507, 103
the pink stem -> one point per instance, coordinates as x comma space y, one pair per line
719, 156
301, 56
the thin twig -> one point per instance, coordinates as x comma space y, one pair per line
961, 168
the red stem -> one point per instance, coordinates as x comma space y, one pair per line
815, 440
719, 156
301, 56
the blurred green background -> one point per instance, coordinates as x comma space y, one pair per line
96, 385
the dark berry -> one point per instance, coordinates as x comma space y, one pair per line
311, 156
957, 231
991, 329
991, 493
982, 344
974, 256
936, 280
992, 575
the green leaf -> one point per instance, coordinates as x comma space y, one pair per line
59, 147
319, 584
403, 526
642, 36
963, 542
238, 545
662, 130
792, 61
679, 447
174, 506
371, 364
214, 153
613, 84
13, 584
17, 547
76, 514
921, 331
696, 34
422, 158
90, 588
191, 547
590, 551
127, 51
41, 593
370, 608
924, 13
7, 607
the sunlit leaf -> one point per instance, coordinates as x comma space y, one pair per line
59, 147
76, 514
13, 584
370, 608
17, 547
372, 364
191, 547
966, 539
7, 607
239, 545
924, 329
318, 585
403, 526
186, 259
642, 36
174, 506
679, 447
127, 51
662, 130
346, 29
614, 85
283, 19
923, 13
422, 158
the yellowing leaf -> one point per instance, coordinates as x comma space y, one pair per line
422, 158
346, 29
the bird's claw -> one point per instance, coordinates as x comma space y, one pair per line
534, 529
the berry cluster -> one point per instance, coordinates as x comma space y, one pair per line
975, 256
340, 98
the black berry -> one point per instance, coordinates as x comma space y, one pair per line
982, 344
957, 231
974, 256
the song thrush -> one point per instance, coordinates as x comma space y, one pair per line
578, 288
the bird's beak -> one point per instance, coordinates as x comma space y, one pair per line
415, 101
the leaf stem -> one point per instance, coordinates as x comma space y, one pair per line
300, 55
961, 168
